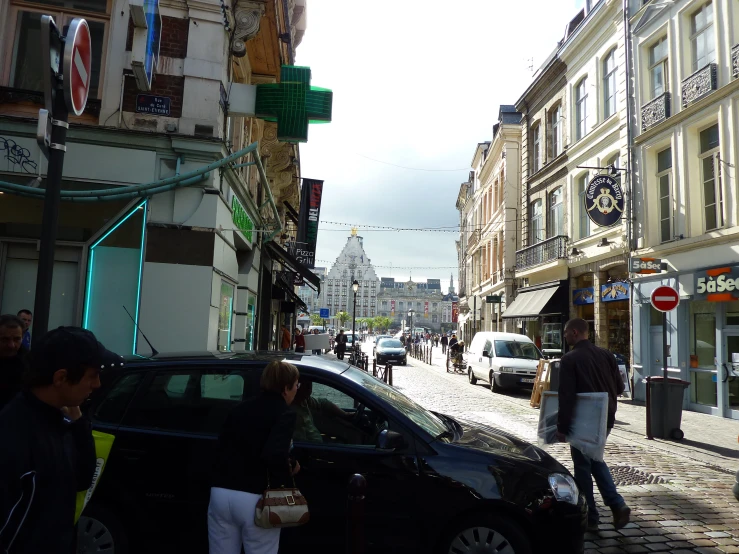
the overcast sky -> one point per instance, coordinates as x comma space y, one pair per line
417, 83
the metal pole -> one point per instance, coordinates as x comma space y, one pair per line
355, 542
665, 411
52, 199
474, 315
354, 319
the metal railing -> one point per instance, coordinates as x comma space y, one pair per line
473, 239
542, 252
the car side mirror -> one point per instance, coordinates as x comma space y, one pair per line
390, 440
485, 354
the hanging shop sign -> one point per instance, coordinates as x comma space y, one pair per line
310, 211
720, 284
612, 292
241, 219
581, 297
646, 265
604, 201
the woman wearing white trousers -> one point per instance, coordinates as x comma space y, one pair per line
253, 450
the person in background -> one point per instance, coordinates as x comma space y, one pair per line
341, 345
48, 452
252, 455
13, 357
299, 340
316, 352
26, 317
285, 339
444, 342
589, 368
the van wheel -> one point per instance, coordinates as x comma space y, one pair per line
471, 375
494, 387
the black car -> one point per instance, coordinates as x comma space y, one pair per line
434, 483
390, 351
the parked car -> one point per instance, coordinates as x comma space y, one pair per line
391, 351
504, 360
434, 482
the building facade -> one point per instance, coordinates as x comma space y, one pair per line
350, 265
418, 304
312, 298
196, 266
686, 141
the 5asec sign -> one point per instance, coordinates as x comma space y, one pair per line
720, 284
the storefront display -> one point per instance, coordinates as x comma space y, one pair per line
615, 300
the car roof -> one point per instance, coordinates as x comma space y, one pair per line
217, 358
504, 336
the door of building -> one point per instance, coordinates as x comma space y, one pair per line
729, 385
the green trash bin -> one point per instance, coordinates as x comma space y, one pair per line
664, 417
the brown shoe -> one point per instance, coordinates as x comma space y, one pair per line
621, 516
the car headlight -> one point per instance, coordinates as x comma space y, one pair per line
564, 488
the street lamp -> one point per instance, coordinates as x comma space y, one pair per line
355, 287
410, 315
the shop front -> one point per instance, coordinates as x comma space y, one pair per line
540, 312
703, 338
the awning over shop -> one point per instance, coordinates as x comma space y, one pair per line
529, 304
288, 290
287, 259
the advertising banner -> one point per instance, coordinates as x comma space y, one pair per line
392, 307
580, 297
604, 200
310, 211
720, 284
425, 309
455, 312
612, 292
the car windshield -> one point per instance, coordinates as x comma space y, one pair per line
515, 349
418, 415
390, 343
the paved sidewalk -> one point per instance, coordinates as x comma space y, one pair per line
680, 494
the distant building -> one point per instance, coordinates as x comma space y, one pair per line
352, 263
311, 298
427, 301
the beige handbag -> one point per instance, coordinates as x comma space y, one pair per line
281, 508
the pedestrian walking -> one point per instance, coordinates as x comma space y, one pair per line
341, 345
436, 341
252, 455
13, 358
589, 368
26, 317
444, 342
285, 340
316, 352
299, 340
48, 452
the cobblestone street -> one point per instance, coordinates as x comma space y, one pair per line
679, 493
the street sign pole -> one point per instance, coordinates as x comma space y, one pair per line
665, 299
66, 90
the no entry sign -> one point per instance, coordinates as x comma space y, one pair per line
665, 299
77, 65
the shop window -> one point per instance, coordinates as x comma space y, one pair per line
250, 315
732, 313
114, 267
225, 316
618, 318
703, 352
25, 64
655, 317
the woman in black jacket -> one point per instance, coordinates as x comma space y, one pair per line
253, 455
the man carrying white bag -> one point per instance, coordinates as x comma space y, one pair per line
589, 369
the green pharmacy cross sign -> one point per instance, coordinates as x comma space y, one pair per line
293, 103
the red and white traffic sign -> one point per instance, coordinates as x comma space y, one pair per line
665, 299
77, 66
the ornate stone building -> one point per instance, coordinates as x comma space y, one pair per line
351, 264
396, 299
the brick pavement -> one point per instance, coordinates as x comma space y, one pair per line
683, 502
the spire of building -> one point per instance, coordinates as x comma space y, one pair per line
451, 283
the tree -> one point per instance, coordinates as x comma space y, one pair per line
383, 323
316, 319
343, 317
370, 323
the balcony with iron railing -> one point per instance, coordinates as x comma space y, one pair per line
473, 239
543, 252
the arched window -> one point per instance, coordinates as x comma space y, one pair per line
609, 84
556, 213
536, 229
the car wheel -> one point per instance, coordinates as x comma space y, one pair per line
100, 531
487, 533
494, 387
471, 375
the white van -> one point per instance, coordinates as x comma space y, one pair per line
505, 360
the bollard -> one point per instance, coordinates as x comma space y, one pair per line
355, 515
389, 374
374, 367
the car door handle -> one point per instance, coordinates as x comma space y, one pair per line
132, 454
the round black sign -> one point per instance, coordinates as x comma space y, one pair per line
604, 201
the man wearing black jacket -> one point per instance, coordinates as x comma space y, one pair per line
13, 357
588, 368
48, 453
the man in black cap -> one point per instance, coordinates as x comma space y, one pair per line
48, 453
13, 357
